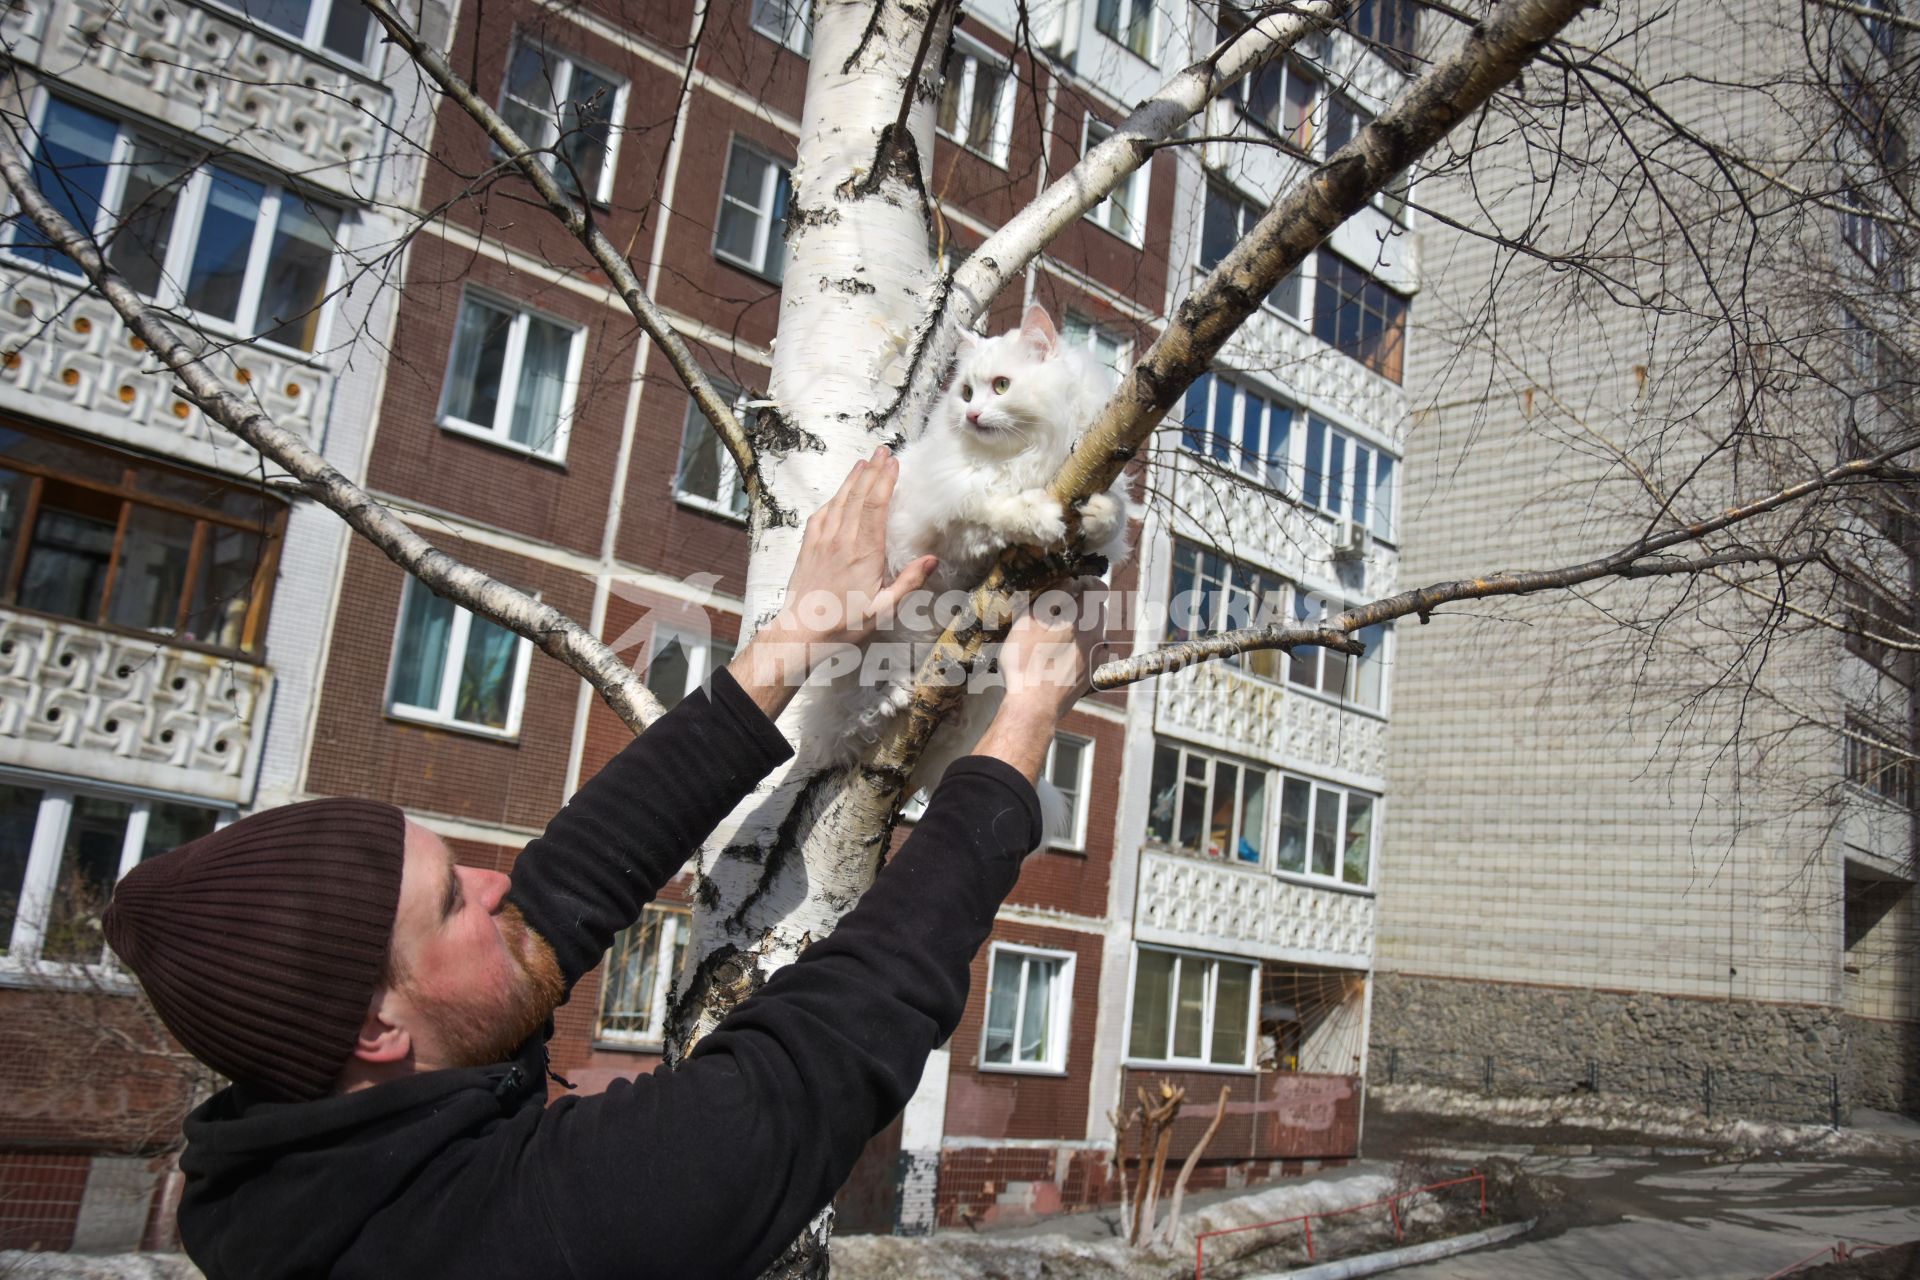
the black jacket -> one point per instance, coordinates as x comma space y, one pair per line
709, 1170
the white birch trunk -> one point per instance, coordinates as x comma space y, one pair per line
859, 279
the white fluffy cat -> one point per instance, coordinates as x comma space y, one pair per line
972, 484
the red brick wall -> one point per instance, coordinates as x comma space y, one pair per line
985, 1103
40, 1199
70, 1081
1272, 1114
359, 750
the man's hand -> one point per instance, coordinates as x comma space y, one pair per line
1046, 661
839, 588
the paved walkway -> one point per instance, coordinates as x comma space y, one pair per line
1688, 1218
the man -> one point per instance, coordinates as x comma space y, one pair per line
383, 1011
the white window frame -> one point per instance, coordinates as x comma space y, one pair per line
183, 238
800, 22
1078, 330
20, 962
313, 37
675, 921
1382, 518
441, 714
1209, 1010
562, 66
699, 651
1136, 183
499, 431
1124, 13
1076, 840
1280, 470
1275, 597
1304, 602
1229, 856
762, 213
729, 470
1059, 1015
1316, 788
993, 149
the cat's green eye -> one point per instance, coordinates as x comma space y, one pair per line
1000, 385
966, 391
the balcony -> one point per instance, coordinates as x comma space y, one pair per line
1222, 906
69, 360
89, 702
1217, 706
206, 70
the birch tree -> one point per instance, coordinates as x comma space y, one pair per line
869, 324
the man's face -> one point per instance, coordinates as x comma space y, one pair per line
473, 981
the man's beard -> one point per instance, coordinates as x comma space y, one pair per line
475, 1036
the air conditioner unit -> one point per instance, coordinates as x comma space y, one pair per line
1351, 540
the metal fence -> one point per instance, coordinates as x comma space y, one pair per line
1713, 1091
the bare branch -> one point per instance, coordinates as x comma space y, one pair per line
580, 224
1005, 254
1888, 15
554, 632
1644, 558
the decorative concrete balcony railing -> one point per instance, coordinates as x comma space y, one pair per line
208, 71
1213, 505
70, 360
89, 703
1218, 706
1245, 910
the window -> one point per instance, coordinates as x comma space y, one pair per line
1356, 314
679, 663
1392, 27
707, 477
1069, 767
1864, 232
640, 969
1124, 211
570, 112
338, 26
512, 376
452, 668
1029, 998
1190, 1008
1345, 477
752, 227
1285, 99
102, 537
1869, 122
235, 251
1208, 806
1359, 680
788, 21
1127, 22
1227, 218
1209, 593
1239, 428
1876, 765
61, 853
1325, 831
1881, 30
976, 103
1108, 347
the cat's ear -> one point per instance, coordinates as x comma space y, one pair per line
1037, 331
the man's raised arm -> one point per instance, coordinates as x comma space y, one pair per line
631, 828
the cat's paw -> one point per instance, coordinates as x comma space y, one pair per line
1036, 517
1102, 517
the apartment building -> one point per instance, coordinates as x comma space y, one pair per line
1673, 859
185, 641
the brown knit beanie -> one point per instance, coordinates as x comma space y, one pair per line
261, 944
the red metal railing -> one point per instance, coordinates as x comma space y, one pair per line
1838, 1252
1306, 1219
